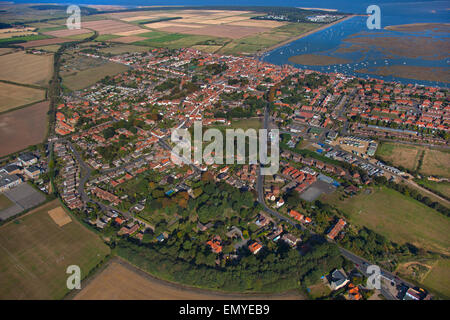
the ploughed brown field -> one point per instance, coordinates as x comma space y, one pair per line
67, 32
43, 42
122, 281
110, 26
22, 128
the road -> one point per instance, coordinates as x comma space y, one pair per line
359, 262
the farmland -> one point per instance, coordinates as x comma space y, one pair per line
122, 281
224, 31
26, 68
434, 163
22, 128
36, 253
405, 156
397, 217
13, 96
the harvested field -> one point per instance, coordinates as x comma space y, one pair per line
26, 68
138, 18
6, 50
36, 253
160, 25
436, 163
258, 23
225, 31
67, 32
22, 128
43, 42
110, 26
59, 216
13, 96
402, 155
122, 281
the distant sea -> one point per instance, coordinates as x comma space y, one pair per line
327, 40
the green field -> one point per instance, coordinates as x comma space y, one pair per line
88, 77
397, 217
36, 252
439, 278
440, 187
247, 124
5, 202
23, 39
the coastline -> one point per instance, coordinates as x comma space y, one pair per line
414, 26
305, 35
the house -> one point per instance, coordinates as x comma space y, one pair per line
215, 244
338, 279
353, 292
290, 239
280, 203
336, 229
262, 220
255, 247
296, 215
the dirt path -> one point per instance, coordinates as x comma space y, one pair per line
427, 191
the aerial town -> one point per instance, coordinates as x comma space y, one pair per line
98, 203
110, 152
